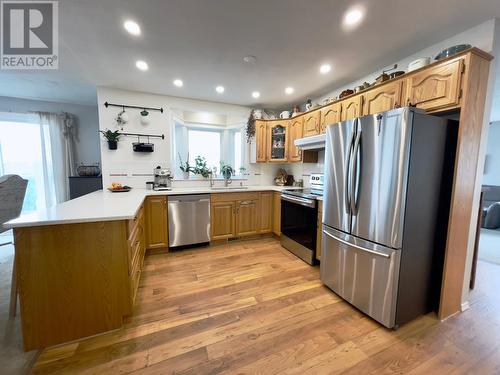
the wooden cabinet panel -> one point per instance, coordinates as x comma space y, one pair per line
319, 234
330, 115
222, 221
156, 222
311, 123
246, 218
436, 87
352, 107
266, 212
277, 213
260, 140
277, 141
295, 131
383, 98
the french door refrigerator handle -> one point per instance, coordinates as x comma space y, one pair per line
354, 180
357, 246
347, 196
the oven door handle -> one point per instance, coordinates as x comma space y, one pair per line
298, 200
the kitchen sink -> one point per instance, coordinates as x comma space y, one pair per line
229, 187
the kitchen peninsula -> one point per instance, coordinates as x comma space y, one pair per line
79, 263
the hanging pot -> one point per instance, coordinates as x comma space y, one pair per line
144, 117
112, 145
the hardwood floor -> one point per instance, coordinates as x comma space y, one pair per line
252, 307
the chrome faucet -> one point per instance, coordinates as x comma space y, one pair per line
211, 179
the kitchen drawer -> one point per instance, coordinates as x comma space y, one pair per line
139, 218
231, 197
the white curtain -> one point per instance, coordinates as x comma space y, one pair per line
57, 132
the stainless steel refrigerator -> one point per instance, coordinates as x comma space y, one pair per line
388, 182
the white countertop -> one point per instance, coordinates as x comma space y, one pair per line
104, 205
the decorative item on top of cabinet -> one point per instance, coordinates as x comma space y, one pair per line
295, 131
329, 115
311, 123
436, 87
266, 212
277, 141
156, 222
261, 140
352, 107
383, 98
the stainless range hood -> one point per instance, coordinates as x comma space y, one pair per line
316, 142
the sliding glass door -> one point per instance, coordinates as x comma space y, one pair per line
23, 149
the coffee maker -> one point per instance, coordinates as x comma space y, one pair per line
162, 179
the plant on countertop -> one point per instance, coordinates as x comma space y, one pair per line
201, 167
112, 137
226, 170
250, 128
242, 171
185, 167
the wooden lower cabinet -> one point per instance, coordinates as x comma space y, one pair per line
240, 214
319, 233
223, 220
266, 212
156, 222
277, 213
247, 223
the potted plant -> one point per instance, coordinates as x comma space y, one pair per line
226, 170
250, 128
112, 137
242, 171
185, 167
201, 167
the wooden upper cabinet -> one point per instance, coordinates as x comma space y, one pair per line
261, 140
311, 123
247, 222
295, 131
277, 141
435, 88
156, 222
223, 220
383, 99
330, 115
352, 107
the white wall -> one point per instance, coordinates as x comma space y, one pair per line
134, 169
87, 145
492, 164
480, 36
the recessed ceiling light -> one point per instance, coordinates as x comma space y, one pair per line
255, 94
289, 90
142, 65
325, 68
250, 59
178, 82
132, 27
353, 17
220, 89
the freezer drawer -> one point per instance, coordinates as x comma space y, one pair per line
363, 273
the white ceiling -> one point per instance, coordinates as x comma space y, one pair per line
204, 41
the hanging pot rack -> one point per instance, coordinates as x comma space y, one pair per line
123, 106
162, 136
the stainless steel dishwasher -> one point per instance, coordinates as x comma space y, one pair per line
188, 220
